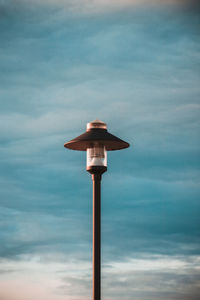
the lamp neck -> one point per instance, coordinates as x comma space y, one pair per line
96, 171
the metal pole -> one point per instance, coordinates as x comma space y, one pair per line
96, 236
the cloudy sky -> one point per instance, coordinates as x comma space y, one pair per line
136, 66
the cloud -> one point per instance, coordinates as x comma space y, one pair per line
135, 67
93, 7
51, 270
174, 277
137, 277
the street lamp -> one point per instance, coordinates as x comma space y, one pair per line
96, 141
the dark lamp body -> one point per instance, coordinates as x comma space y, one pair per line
96, 141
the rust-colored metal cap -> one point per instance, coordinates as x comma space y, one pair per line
96, 124
96, 132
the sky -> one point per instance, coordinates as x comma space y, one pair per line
136, 66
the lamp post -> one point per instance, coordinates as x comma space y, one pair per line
96, 141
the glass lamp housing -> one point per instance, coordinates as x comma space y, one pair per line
96, 156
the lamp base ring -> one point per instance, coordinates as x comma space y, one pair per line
96, 169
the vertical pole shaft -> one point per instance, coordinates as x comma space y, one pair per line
96, 236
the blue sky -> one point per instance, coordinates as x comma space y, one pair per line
136, 66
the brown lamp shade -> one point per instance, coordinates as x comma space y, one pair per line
94, 135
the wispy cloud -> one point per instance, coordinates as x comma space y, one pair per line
176, 276
135, 66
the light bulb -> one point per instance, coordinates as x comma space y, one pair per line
96, 156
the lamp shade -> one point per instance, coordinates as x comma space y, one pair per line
96, 133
